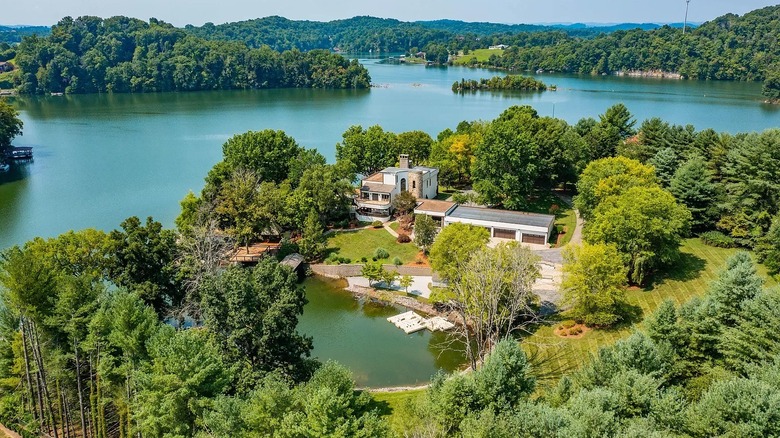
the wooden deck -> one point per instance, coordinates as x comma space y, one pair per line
255, 253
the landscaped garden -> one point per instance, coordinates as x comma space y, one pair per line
553, 355
356, 245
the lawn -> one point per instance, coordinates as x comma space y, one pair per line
395, 226
395, 405
553, 355
481, 55
357, 244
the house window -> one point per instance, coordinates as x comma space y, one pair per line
403, 184
363, 195
385, 197
414, 184
374, 197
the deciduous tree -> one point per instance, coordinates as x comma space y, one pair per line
454, 245
645, 224
594, 280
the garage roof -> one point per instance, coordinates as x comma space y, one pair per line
503, 216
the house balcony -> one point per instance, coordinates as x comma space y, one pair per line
375, 205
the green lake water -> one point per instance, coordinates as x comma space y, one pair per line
102, 158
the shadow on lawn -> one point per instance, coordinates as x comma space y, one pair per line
689, 267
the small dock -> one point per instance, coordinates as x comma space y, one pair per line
411, 322
19, 153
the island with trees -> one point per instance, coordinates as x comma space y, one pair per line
499, 83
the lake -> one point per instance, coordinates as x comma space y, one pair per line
102, 158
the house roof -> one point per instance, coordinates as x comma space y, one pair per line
378, 188
503, 216
377, 177
435, 206
394, 170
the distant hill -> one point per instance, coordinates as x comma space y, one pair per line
14, 34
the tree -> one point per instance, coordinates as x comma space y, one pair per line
737, 407
519, 152
268, 154
373, 272
609, 177
253, 313
10, 125
186, 371
417, 144
752, 185
453, 246
436, 53
424, 231
369, 150
593, 283
619, 117
312, 243
645, 224
771, 88
665, 163
144, 259
734, 287
404, 203
405, 282
693, 186
327, 405
493, 294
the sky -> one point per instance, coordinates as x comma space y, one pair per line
197, 12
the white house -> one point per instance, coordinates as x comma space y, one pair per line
378, 190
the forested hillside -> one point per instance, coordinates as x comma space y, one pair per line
10, 34
728, 48
121, 54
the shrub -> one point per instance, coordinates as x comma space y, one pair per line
397, 261
554, 209
575, 331
718, 239
345, 260
403, 238
376, 224
381, 253
363, 259
568, 324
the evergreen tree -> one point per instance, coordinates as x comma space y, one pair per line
693, 186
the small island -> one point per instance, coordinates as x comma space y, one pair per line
510, 82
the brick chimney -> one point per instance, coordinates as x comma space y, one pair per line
404, 160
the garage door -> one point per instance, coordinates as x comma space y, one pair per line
534, 238
504, 234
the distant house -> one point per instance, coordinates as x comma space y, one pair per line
5, 66
378, 190
498, 47
523, 227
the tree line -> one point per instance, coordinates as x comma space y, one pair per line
121, 54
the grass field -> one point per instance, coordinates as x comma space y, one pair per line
700, 265
481, 55
357, 244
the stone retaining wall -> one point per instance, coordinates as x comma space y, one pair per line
341, 271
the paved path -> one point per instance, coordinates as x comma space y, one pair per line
419, 285
390, 230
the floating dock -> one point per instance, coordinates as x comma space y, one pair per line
411, 322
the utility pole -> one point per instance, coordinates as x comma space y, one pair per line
685, 23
